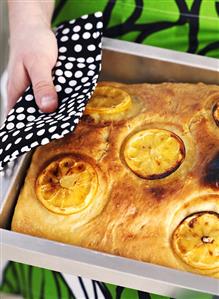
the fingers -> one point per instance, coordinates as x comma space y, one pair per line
18, 81
40, 73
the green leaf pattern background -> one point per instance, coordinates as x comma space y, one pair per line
183, 25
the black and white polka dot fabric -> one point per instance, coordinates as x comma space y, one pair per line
75, 77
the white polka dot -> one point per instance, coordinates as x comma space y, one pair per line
76, 121
68, 90
81, 65
88, 26
85, 79
64, 39
15, 153
52, 129
62, 49
72, 83
10, 126
78, 74
72, 22
65, 132
61, 80
63, 101
59, 72
6, 158
66, 118
92, 66
25, 149
85, 90
69, 65
62, 57
29, 97
58, 88
21, 117
75, 37
12, 117
29, 136
78, 48
8, 146
80, 97
18, 140
15, 133
20, 125
2, 133
96, 35
81, 59
90, 73
34, 144
31, 118
91, 48
72, 98
71, 59
40, 125
86, 35
56, 136
99, 25
28, 129
98, 57
45, 141
68, 74
65, 31
90, 60
31, 110
40, 132
77, 88
87, 84
77, 28
71, 104
98, 14
20, 109
84, 17
58, 63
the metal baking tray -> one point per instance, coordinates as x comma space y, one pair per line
123, 62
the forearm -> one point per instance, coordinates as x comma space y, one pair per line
27, 13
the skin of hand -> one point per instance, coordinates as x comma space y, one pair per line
33, 53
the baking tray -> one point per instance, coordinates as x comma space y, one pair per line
132, 63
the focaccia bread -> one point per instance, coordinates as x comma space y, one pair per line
138, 178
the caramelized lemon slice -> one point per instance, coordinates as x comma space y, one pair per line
108, 100
216, 114
154, 153
67, 185
196, 240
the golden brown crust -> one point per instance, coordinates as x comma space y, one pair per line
131, 216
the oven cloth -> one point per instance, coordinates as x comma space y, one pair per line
75, 77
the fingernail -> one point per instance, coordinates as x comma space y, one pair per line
46, 101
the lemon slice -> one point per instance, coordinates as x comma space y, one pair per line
108, 100
196, 240
216, 114
67, 185
154, 153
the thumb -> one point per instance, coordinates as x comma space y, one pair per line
40, 73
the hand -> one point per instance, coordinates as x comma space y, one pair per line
33, 54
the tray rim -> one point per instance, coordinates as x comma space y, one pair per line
166, 55
144, 276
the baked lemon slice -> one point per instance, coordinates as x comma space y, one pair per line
196, 240
108, 100
154, 153
216, 114
67, 185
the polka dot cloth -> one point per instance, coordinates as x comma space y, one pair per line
75, 77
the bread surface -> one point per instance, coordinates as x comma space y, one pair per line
131, 216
